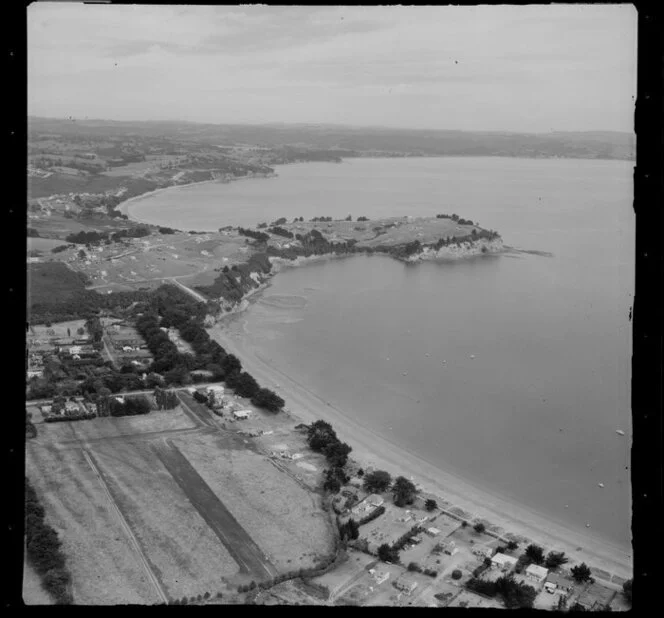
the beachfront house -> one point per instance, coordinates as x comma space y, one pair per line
558, 581
536, 573
503, 562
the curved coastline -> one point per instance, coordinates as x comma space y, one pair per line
372, 449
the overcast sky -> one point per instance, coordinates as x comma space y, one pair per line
497, 68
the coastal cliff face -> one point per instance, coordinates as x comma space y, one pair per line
455, 252
232, 287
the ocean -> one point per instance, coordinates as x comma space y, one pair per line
510, 371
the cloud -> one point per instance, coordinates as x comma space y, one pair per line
306, 63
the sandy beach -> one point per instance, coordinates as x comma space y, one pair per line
371, 449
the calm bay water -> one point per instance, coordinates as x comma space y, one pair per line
533, 415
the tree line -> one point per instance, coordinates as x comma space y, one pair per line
43, 549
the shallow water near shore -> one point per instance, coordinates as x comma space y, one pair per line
511, 371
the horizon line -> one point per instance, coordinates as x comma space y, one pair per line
328, 124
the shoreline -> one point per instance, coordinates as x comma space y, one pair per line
125, 206
372, 449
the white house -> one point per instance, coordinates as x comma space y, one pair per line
71, 406
46, 409
241, 414
75, 349
127, 348
432, 531
120, 399
503, 562
536, 573
375, 500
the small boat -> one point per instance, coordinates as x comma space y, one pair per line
587, 525
567, 506
427, 354
444, 362
472, 356
405, 373
388, 358
600, 484
620, 432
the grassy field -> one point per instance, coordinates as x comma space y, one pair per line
139, 503
282, 517
57, 330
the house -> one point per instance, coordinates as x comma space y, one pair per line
559, 582
75, 349
374, 500
381, 576
297, 456
550, 587
483, 552
405, 585
449, 548
35, 373
536, 573
46, 409
241, 414
71, 406
217, 390
127, 348
120, 399
503, 562
432, 531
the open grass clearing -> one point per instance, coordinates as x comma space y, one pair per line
104, 567
183, 551
284, 519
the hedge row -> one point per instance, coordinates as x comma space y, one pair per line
84, 416
43, 549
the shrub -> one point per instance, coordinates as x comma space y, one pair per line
377, 512
457, 574
479, 528
413, 566
430, 505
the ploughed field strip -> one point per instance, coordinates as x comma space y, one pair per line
239, 544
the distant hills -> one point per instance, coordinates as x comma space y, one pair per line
411, 142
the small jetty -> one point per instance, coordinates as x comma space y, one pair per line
620, 432
600, 484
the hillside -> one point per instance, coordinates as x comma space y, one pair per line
362, 140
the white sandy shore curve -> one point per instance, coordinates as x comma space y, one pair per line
371, 449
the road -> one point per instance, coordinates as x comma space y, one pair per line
196, 295
127, 529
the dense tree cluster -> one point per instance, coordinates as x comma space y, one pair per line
349, 530
43, 549
85, 238
514, 594
167, 230
581, 573
280, 231
375, 514
323, 439
555, 559
377, 481
320, 219
132, 406
535, 554
404, 491
387, 553
258, 236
